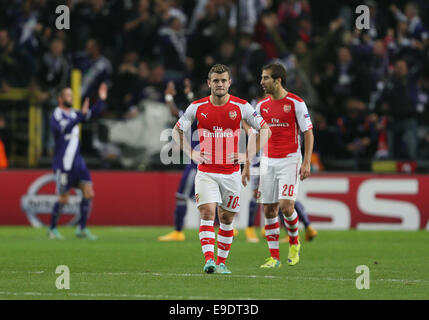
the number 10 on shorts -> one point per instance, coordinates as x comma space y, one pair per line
233, 201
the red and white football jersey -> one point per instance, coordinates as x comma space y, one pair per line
219, 130
285, 117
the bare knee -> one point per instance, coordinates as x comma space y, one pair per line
88, 191
226, 217
270, 210
207, 211
89, 196
287, 207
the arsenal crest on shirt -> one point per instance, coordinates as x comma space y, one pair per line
233, 115
287, 107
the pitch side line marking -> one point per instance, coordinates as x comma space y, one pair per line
107, 295
75, 294
245, 276
157, 274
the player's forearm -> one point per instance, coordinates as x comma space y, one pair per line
263, 137
257, 141
308, 145
252, 146
178, 137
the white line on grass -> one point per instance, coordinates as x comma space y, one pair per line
16, 272
105, 295
249, 276
112, 295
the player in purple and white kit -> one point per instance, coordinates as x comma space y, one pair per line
68, 164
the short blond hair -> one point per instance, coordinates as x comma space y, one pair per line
219, 68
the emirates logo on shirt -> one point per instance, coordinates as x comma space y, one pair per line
233, 115
197, 198
287, 108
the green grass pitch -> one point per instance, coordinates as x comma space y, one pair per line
129, 263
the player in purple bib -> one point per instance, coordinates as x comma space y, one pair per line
68, 164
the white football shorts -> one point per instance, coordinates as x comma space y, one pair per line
279, 179
218, 188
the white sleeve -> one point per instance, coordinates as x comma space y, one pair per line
185, 121
252, 117
258, 107
258, 110
302, 116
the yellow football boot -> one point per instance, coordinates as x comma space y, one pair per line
251, 235
310, 233
173, 236
271, 263
293, 255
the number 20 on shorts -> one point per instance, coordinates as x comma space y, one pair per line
287, 192
233, 201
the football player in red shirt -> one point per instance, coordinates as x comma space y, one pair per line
218, 179
282, 166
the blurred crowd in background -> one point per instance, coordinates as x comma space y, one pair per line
367, 90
